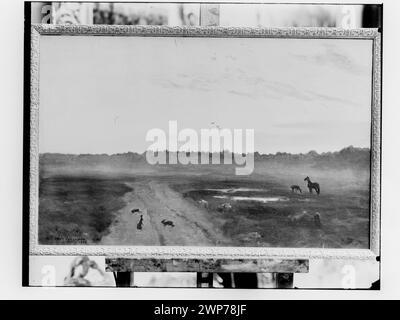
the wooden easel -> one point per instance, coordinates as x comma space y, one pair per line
282, 269
234, 272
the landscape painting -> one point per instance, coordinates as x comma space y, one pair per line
207, 142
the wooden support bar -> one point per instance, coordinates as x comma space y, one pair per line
246, 280
284, 280
205, 278
207, 265
227, 279
123, 279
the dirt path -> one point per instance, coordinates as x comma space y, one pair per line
156, 202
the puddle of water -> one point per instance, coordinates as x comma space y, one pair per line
233, 190
257, 199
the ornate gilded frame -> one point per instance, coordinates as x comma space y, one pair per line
38, 30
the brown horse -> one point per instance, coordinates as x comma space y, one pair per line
312, 185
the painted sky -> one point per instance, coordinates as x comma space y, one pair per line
102, 94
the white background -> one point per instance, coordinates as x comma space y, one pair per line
11, 128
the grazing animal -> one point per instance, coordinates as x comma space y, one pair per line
312, 185
295, 188
317, 219
203, 203
166, 222
306, 218
135, 210
140, 223
224, 207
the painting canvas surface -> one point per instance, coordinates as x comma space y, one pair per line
308, 102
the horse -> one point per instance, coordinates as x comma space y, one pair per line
312, 185
295, 187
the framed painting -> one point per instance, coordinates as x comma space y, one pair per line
204, 142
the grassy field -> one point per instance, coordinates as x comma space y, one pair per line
258, 210
264, 212
77, 210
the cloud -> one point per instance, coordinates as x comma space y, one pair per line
239, 81
333, 57
242, 93
255, 87
186, 82
328, 98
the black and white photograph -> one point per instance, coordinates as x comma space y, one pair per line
115, 102
206, 142
239, 139
181, 149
